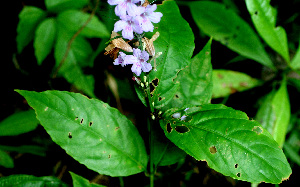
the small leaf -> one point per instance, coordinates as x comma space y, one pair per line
32, 149
79, 181
30, 180
71, 67
195, 81
5, 160
226, 82
18, 123
296, 60
73, 20
274, 114
264, 18
225, 26
175, 35
62, 5
29, 17
44, 39
229, 142
92, 132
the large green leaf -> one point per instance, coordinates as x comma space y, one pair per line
228, 141
73, 20
70, 59
92, 132
225, 26
29, 17
264, 18
44, 39
176, 42
30, 180
274, 113
62, 5
195, 81
18, 123
79, 181
226, 82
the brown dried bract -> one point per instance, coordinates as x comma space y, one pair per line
115, 46
149, 44
146, 3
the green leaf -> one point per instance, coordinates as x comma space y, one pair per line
18, 123
29, 17
44, 39
225, 26
228, 141
175, 35
296, 60
275, 112
79, 181
264, 18
226, 82
30, 180
32, 149
71, 56
92, 132
62, 5
5, 160
164, 152
195, 81
73, 20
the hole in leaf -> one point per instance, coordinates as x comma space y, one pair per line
70, 135
155, 82
81, 121
76, 118
181, 129
176, 96
238, 174
169, 128
212, 150
152, 88
236, 165
257, 129
91, 123
256, 12
159, 99
176, 115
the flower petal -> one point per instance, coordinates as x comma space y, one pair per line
120, 25
130, 59
155, 17
127, 32
136, 68
120, 9
115, 2
146, 67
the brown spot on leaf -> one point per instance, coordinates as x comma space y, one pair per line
257, 129
212, 149
70, 135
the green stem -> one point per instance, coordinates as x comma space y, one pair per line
151, 155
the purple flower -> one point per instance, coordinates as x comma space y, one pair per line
128, 25
124, 6
141, 63
149, 16
120, 60
138, 60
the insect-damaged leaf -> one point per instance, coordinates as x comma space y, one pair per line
229, 142
92, 132
176, 42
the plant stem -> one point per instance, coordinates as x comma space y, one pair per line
151, 155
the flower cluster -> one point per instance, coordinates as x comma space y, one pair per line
136, 16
